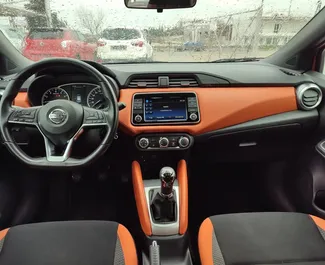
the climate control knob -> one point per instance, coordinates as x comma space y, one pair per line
163, 142
184, 142
144, 143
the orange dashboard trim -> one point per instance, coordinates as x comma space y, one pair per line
21, 100
219, 107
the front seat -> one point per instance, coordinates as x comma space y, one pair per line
262, 238
70, 243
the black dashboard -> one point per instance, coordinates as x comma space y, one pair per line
207, 74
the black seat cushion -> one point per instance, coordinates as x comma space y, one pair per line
70, 243
263, 238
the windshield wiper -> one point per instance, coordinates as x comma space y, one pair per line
234, 60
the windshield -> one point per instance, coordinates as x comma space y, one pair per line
106, 31
121, 34
45, 34
12, 33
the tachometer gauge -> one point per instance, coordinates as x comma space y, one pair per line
96, 99
53, 94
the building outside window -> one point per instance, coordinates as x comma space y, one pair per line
276, 28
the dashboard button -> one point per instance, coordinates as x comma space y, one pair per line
138, 118
192, 109
154, 144
193, 116
192, 105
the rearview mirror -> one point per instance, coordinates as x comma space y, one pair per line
159, 4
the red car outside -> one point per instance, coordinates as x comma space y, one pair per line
43, 43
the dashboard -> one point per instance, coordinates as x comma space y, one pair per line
166, 108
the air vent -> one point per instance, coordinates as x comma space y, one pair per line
309, 96
143, 82
163, 81
183, 82
287, 72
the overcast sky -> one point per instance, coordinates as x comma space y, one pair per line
119, 15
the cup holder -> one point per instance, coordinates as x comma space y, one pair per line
319, 200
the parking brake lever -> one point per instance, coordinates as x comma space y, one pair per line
154, 253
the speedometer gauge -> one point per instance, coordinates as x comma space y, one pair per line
53, 94
96, 99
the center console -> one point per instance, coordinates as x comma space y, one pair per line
159, 183
162, 205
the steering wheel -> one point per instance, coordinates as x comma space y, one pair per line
59, 121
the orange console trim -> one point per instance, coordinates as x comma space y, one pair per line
140, 198
219, 107
21, 100
183, 196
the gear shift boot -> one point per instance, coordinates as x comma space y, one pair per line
163, 209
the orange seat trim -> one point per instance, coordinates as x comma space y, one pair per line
205, 242
128, 246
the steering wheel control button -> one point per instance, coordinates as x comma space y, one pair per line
163, 142
144, 143
23, 116
193, 116
58, 116
184, 142
92, 116
100, 115
138, 118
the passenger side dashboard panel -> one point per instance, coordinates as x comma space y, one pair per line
219, 107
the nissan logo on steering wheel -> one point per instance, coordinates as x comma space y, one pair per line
57, 116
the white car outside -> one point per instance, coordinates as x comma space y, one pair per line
119, 44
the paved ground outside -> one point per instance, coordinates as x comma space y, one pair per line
209, 55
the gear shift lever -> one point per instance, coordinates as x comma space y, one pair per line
163, 203
167, 177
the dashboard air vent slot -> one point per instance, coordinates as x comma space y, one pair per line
183, 82
309, 96
143, 82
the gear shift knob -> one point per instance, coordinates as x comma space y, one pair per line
167, 176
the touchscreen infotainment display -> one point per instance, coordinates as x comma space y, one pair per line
160, 108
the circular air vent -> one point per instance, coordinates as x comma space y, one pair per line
309, 96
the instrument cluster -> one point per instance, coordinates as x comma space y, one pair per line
86, 94
79, 89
